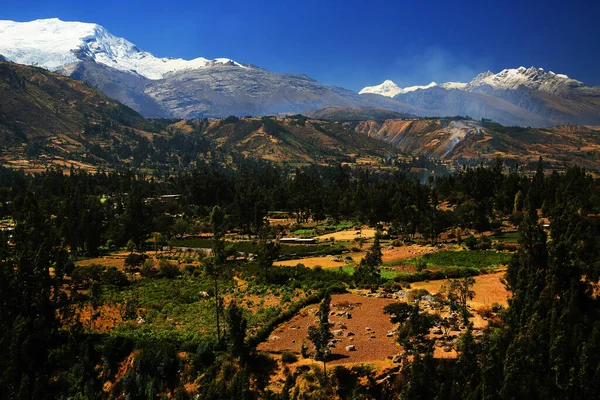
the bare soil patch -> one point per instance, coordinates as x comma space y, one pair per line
488, 289
349, 235
406, 252
371, 344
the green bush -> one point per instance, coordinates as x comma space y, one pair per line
135, 259
168, 270
287, 357
471, 242
115, 277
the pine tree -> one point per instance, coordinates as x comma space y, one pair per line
320, 335
367, 272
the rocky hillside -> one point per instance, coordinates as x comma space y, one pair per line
342, 114
294, 139
455, 139
169, 87
49, 119
43, 113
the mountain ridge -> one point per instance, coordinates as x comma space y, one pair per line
536, 98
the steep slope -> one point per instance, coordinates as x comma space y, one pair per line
37, 104
49, 119
47, 116
167, 87
52, 44
294, 139
355, 114
454, 139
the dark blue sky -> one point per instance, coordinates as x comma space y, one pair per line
353, 43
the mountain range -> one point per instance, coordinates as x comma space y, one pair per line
521, 96
49, 119
168, 87
198, 88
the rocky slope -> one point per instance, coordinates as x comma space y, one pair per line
454, 139
167, 87
342, 114
293, 139
49, 119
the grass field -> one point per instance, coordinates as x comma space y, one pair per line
464, 258
507, 237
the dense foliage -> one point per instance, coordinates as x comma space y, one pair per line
547, 344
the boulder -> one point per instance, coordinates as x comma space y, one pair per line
350, 348
338, 332
396, 359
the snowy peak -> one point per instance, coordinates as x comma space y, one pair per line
532, 78
52, 44
387, 88
507, 79
413, 88
390, 89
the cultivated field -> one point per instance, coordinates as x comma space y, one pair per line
368, 328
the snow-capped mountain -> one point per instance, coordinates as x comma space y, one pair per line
169, 87
52, 44
390, 89
507, 79
531, 78
519, 96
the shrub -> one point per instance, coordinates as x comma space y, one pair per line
421, 265
471, 242
115, 277
304, 350
147, 269
484, 243
287, 357
190, 269
485, 311
135, 259
168, 270
204, 356
417, 294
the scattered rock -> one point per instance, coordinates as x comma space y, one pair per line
396, 359
447, 349
390, 334
372, 336
337, 332
437, 331
349, 333
350, 348
274, 338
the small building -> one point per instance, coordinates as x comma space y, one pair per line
170, 197
292, 240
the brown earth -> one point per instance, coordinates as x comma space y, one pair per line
388, 255
488, 289
366, 312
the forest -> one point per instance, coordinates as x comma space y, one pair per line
188, 311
